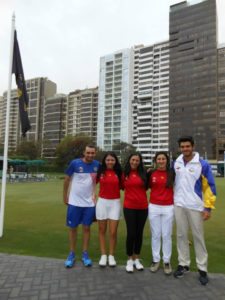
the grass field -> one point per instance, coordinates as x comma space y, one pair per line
35, 225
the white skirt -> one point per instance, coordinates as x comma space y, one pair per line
108, 209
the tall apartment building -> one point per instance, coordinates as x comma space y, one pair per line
151, 99
115, 99
38, 90
221, 102
54, 127
14, 121
82, 112
1, 119
73, 113
193, 75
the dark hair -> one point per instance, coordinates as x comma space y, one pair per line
186, 138
90, 146
169, 170
140, 169
117, 167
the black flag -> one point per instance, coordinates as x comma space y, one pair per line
17, 69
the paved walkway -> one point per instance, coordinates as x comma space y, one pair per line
32, 278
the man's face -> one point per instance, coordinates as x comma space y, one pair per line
89, 154
186, 148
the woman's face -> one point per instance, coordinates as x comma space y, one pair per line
161, 162
110, 162
134, 162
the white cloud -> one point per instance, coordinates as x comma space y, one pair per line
63, 40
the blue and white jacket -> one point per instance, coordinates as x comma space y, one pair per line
194, 184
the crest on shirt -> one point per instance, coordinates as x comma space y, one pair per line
81, 169
95, 169
191, 170
153, 179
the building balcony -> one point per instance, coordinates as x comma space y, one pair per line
147, 117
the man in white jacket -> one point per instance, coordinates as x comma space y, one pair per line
194, 197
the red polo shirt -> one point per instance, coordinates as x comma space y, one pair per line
134, 192
109, 185
160, 194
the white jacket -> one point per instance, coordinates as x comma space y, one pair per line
194, 184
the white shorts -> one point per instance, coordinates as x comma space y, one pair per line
108, 209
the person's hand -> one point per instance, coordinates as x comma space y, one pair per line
94, 198
65, 200
206, 215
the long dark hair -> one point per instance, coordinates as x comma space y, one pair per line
117, 167
140, 169
169, 170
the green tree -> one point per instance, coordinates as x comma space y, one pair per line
69, 148
123, 150
29, 150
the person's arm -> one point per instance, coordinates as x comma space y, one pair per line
94, 190
209, 191
66, 189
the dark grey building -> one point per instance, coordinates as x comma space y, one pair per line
221, 102
38, 90
193, 75
54, 125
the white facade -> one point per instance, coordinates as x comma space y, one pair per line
14, 121
1, 120
82, 112
151, 99
115, 96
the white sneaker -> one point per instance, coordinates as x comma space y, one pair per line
138, 265
103, 261
130, 266
111, 261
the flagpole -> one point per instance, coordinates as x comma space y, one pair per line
5, 161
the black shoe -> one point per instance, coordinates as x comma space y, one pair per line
180, 271
203, 278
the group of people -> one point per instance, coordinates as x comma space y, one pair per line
184, 190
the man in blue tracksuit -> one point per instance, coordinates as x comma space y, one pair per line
194, 197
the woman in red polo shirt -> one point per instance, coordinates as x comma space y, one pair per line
161, 211
108, 206
135, 209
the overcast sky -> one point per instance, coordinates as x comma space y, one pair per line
63, 40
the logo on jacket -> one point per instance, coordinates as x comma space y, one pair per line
191, 170
81, 169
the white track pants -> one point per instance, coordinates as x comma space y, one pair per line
161, 224
186, 218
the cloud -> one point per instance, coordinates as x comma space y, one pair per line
63, 40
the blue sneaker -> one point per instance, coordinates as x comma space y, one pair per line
86, 260
70, 260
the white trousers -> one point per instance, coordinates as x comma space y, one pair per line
161, 224
186, 218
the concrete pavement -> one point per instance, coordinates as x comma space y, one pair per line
34, 278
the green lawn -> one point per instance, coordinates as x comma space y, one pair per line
35, 225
